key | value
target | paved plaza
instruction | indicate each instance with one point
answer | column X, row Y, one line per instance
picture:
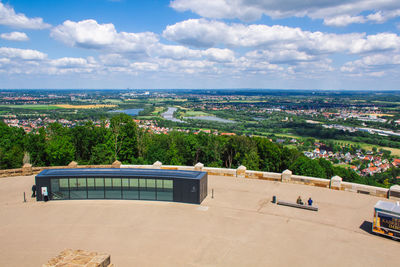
column 238, row 227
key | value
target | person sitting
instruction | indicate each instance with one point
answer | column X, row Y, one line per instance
column 310, row 201
column 299, row 201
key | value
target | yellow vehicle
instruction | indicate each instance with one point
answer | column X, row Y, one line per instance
column 387, row 219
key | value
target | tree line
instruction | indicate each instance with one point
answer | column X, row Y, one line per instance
column 124, row 141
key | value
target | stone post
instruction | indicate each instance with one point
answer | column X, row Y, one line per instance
column 336, row 182
column 241, row 172
column 286, row 176
column 27, row 169
column 116, row 164
column 73, row 164
column 394, row 191
column 157, row 165
column 199, row 166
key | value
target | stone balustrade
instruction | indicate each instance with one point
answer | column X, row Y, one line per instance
column 335, row 183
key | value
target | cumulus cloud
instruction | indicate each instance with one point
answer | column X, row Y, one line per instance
column 25, row 54
column 206, row 33
column 91, row 35
column 372, row 65
column 15, row 36
column 335, row 13
column 8, row 17
column 344, row 20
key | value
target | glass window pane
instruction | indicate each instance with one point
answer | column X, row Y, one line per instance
column 113, row 188
column 125, row 182
column 148, row 193
column 99, row 182
column 134, row 183
column 78, row 188
column 107, row 182
column 90, row 183
column 73, row 183
column 56, row 192
column 165, row 195
column 116, row 182
column 168, row 184
column 151, row 184
column 82, row 183
column 64, row 184
column 142, row 184
column 98, row 191
column 131, row 192
column 159, row 184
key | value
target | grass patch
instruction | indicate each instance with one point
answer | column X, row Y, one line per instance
column 85, row 106
column 395, row 151
column 192, row 113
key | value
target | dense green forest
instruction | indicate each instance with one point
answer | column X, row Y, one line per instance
column 123, row 140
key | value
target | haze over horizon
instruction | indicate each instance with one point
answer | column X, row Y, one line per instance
column 172, row 44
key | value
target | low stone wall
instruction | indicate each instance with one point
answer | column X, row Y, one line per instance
column 335, row 183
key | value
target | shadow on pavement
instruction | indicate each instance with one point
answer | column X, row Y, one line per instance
column 366, row 226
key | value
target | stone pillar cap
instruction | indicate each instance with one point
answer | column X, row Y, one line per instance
column 395, row 187
column 287, row 171
column 336, row 178
column 116, row 162
column 157, row 163
column 73, row 164
column 27, row 165
column 199, row 164
column 241, row 167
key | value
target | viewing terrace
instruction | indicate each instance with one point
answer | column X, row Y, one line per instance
column 237, row 225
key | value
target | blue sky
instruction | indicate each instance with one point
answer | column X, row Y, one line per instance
column 282, row 44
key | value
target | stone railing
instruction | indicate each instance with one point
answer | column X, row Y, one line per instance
column 335, row 183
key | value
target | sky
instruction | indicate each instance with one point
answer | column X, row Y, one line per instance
column 151, row 44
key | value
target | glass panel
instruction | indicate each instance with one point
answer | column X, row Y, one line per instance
column 142, row 184
column 108, row 183
column 56, row 193
column 151, row 184
column 90, row 183
column 98, row 190
column 99, row 182
column 149, row 193
column 116, row 182
column 134, row 183
column 77, row 188
column 64, row 187
column 164, row 193
column 167, row 196
column 159, row 184
column 82, row 183
column 125, row 182
column 113, row 192
column 168, row 184
column 132, row 191
column 73, row 183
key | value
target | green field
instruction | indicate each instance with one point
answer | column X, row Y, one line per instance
column 32, row 107
column 395, row 151
column 192, row 113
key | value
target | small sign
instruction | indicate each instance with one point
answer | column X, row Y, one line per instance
column 44, row 191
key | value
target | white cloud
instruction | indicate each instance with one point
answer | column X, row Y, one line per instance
column 89, row 34
column 219, row 55
column 24, row 54
column 8, row 17
column 335, row 13
column 280, row 56
column 343, row 20
column 15, row 36
column 205, row 33
column 373, row 65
